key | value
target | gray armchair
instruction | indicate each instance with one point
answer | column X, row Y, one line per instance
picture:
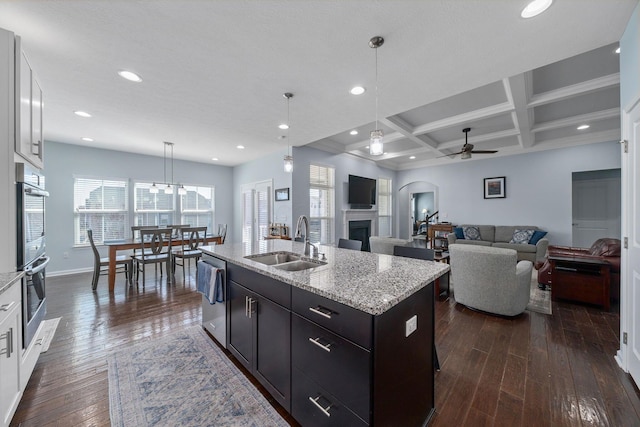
column 490, row 279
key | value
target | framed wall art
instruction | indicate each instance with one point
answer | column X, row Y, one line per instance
column 282, row 194
column 495, row 188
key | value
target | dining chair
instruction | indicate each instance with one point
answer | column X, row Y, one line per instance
column 159, row 242
column 222, row 232
column 427, row 255
column 191, row 238
column 135, row 234
column 124, row 264
column 175, row 229
column 356, row 245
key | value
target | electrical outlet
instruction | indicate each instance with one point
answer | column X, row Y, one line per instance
column 65, row 255
column 411, row 325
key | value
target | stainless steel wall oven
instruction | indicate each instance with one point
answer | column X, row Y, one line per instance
column 32, row 258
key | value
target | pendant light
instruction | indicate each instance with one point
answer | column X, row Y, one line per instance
column 288, row 159
column 376, row 147
column 169, row 185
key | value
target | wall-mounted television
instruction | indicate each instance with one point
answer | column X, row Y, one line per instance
column 362, row 191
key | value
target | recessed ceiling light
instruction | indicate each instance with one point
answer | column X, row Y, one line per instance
column 412, row 157
column 367, row 147
column 583, row 127
column 87, row 139
column 357, row 90
column 240, row 147
column 82, row 113
column 353, row 132
column 283, row 126
column 617, row 50
column 215, row 159
column 535, row 8
column 130, row 75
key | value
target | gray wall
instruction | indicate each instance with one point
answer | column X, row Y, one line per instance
column 269, row 167
column 64, row 161
column 344, row 165
column 538, row 188
column 630, row 60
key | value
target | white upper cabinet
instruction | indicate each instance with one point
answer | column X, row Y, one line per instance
column 29, row 140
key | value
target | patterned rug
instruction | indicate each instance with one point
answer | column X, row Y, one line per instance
column 183, row 379
column 539, row 300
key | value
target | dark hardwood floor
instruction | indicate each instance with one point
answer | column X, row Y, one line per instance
column 534, row 370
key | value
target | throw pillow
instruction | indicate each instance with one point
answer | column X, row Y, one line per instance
column 521, row 237
column 471, row 233
column 458, row 232
column 537, row 235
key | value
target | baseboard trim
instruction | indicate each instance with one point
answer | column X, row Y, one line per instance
column 68, row 272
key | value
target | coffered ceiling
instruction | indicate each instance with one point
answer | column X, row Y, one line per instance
column 214, row 73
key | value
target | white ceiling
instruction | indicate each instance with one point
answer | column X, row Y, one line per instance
column 214, row 73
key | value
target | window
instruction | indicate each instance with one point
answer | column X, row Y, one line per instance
column 152, row 209
column 197, row 207
column 102, row 206
column 321, row 204
column 385, row 203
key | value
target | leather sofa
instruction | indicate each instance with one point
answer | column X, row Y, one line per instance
column 498, row 236
column 605, row 249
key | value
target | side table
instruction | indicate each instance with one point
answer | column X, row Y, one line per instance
column 444, row 279
column 581, row 279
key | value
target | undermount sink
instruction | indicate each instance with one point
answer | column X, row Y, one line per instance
column 299, row 265
column 274, row 258
column 288, row 261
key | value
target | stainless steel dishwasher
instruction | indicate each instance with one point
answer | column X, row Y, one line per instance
column 214, row 316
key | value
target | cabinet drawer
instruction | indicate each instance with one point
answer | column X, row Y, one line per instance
column 276, row 291
column 10, row 299
column 309, row 413
column 345, row 321
column 339, row 366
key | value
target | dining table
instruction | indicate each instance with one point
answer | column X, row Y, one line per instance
column 131, row 243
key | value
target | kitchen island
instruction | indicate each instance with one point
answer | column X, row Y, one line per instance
column 349, row 342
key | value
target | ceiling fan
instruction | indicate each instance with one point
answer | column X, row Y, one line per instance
column 467, row 149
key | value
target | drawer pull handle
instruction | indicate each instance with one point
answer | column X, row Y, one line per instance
column 7, row 307
column 324, row 410
column 319, row 311
column 316, row 341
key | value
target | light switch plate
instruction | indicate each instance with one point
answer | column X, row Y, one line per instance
column 411, row 325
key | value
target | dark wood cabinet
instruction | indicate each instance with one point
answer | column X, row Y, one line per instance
column 581, row 279
column 353, row 368
column 259, row 332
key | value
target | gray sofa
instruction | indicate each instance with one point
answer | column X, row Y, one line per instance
column 498, row 236
column 489, row 279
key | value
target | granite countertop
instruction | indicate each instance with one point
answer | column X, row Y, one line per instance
column 8, row 279
column 372, row 283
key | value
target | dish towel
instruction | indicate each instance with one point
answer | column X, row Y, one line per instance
column 210, row 282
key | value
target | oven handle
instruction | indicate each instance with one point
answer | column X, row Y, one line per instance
column 36, row 192
column 31, row 271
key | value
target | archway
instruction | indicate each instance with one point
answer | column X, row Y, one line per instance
column 410, row 209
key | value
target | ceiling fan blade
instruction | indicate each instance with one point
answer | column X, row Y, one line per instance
column 484, row 151
column 451, row 156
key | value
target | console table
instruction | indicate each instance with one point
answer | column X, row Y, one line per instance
column 580, row 279
column 437, row 235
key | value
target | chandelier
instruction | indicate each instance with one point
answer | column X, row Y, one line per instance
column 168, row 185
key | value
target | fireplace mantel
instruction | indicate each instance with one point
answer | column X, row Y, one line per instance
column 359, row 215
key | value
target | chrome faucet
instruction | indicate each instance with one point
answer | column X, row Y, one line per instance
column 303, row 220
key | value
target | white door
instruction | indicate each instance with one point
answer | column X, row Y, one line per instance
column 630, row 314
column 596, row 206
column 256, row 210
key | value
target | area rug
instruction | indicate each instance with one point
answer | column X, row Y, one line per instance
column 183, row 379
column 539, row 300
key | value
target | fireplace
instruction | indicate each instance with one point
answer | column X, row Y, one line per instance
column 360, row 230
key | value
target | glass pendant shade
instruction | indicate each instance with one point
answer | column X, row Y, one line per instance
column 288, row 164
column 375, row 145
column 168, row 189
column 181, row 190
column 153, row 189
